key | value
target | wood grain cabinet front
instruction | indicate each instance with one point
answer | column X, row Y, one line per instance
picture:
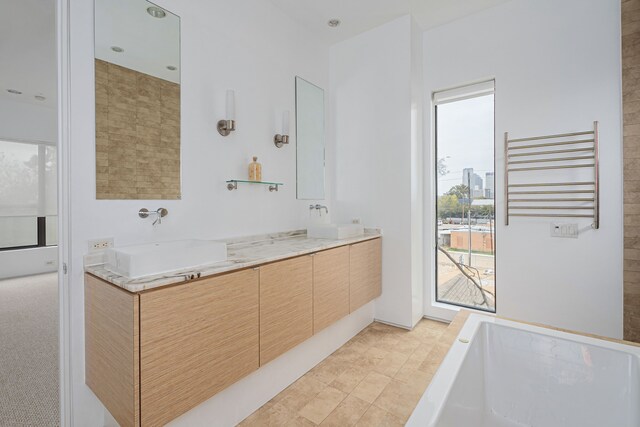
column 195, row 340
column 330, row 287
column 286, row 306
column 152, row 356
column 111, row 348
column 365, row 275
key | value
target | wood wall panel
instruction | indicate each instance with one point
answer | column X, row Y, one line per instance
column 286, row 306
column 137, row 135
column 330, row 287
column 196, row 339
column 365, row 283
column 631, row 112
column 111, row 348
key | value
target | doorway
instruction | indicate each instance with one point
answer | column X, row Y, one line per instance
column 29, row 190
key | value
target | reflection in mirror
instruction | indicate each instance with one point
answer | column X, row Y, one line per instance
column 309, row 140
column 137, row 70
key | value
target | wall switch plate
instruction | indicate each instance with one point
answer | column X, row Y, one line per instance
column 564, row 230
column 100, row 244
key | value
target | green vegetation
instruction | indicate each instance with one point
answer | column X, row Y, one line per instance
column 450, row 205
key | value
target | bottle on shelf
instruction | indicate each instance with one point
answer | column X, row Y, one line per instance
column 255, row 170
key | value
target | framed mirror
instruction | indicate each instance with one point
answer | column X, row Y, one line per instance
column 137, row 75
column 310, row 156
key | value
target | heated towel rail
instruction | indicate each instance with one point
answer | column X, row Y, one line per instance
column 533, row 167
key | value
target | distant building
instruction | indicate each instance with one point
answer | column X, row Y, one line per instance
column 474, row 181
column 489, row 180
column 481, row 240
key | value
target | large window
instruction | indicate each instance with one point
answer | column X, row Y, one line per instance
column 465, row 198
column 28, row 195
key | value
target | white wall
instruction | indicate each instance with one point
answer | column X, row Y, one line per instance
column 417, row 176
column 557, row 69
column 375, row 118
column 247, row 45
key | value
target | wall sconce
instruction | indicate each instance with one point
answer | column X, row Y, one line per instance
column 225, row 127
column 280, row 140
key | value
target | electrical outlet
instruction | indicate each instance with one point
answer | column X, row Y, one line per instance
column 355, row 221
column 100, row 244
column 564, row 230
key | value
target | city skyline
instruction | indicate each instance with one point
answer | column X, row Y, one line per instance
column 465, row 140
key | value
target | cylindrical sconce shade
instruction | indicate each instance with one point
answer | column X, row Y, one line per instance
column 231, row 105
column 285, row 123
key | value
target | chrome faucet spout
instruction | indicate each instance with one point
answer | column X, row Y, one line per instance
column 159, row 213
column 319, row 207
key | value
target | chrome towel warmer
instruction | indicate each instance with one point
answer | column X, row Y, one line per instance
column 539, row 197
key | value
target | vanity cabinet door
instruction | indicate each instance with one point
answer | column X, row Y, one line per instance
column 286, row 306
column 195, row 340
column 365, row 273
column 330, row 287
column 111, row 348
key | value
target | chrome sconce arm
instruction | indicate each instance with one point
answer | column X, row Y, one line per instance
column 225, row 127
column 280, row 139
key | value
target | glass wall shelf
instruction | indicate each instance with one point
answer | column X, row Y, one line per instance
column 232, row 184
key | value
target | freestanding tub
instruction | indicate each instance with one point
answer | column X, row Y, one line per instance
column 500, row 373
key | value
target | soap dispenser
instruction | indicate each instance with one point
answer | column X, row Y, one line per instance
column 255, row 170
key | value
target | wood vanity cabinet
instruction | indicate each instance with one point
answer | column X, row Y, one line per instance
column 153, row 355
column 195, row 340
column 286, row 306
column 330, row 287
column 365, row 275
column 111, row 348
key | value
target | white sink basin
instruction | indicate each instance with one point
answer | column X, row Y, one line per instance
column 335, row 231
column 157, row 258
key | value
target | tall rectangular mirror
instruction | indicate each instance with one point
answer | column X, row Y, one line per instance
column 309, row 140
column 137, row 73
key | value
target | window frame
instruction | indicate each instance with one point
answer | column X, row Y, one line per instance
column 460, row 93
column 41, row 221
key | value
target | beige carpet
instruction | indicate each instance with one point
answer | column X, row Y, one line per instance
column 29, row 351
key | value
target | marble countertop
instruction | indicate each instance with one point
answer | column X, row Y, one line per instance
column 241, row 253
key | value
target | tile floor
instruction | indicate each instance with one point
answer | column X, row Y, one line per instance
column 375, row 379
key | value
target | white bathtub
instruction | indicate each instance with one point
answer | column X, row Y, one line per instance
column 512, row 374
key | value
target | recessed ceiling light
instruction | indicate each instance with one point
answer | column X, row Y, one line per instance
column 333, row 23
column 171, row 68
column 40, row 97
column 117, row 49
column 156, row 12
column 14, row 91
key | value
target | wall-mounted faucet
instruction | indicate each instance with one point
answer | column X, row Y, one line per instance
column 159, row 213
column 319, row 208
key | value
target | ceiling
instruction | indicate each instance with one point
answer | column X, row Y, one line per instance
column 28, row 50
column 357, row 16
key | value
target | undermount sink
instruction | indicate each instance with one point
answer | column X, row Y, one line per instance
column 335, row 231
column 156, row 258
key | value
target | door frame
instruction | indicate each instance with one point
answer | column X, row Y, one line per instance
column 64, row 211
